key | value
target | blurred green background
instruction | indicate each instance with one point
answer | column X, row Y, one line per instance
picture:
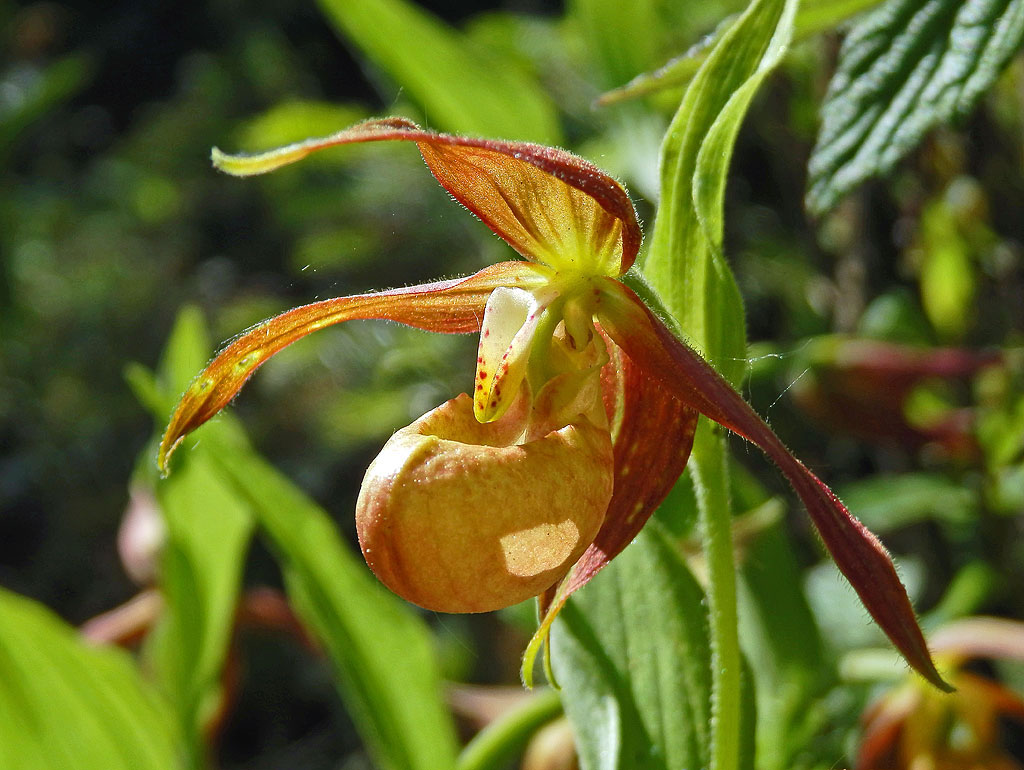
column 111, row 219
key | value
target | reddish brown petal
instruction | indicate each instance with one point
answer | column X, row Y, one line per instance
column 857, row 552
column 645, row 469
column 550, row 205
column 450, row 307
column 653, row 435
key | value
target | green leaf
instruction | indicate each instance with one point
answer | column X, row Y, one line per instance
column 947, row 271
column 65, row 703
column 811, row 18
column 620, row 39
column 382, row 653
column 630, row 652
column 208, row 531
column 823, row 15
column 294, row 121
column 685, row 262
column 674, row 73
column 686, row 265
column 905, row 68
column 460, row 87
column 186, row 353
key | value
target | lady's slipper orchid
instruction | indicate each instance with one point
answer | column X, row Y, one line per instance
column 583, row 408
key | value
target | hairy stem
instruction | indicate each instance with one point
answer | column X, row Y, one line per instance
column 711, row 478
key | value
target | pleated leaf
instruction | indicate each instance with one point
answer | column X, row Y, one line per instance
column 630, row 652
column 904, row 69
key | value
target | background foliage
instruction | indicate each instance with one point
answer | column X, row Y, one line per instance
column 111, row 221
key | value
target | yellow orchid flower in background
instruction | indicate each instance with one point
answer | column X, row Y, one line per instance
column 584, row 403
column 911, row 727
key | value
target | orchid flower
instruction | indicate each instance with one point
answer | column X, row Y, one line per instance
column 582, row 412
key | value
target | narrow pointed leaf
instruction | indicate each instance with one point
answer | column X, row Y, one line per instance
column 447, row 306
column 66, row 703
column 904, row 69
column 685, row 260
column 549, row 205
column 461, row 86
column 857, row 552
column 201, row 564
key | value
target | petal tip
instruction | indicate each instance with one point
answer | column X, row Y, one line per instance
column 932, row 676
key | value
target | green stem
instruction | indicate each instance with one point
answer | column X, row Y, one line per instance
column 500, row 740
column 712, row 481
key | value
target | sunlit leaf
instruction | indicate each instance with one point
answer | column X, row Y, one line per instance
column 65, row 703
column 381, row 652
column 292, row 121
column 208, row 528
column 905, row 68
column 685, row 261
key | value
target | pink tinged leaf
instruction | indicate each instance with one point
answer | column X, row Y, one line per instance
column 640, row 407
column 450, row 307
column 549, row 205
column 857, row 552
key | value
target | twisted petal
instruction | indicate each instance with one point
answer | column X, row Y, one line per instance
column 452, row 307
column 549, row 205
column 857, row 552
column 645, row 471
